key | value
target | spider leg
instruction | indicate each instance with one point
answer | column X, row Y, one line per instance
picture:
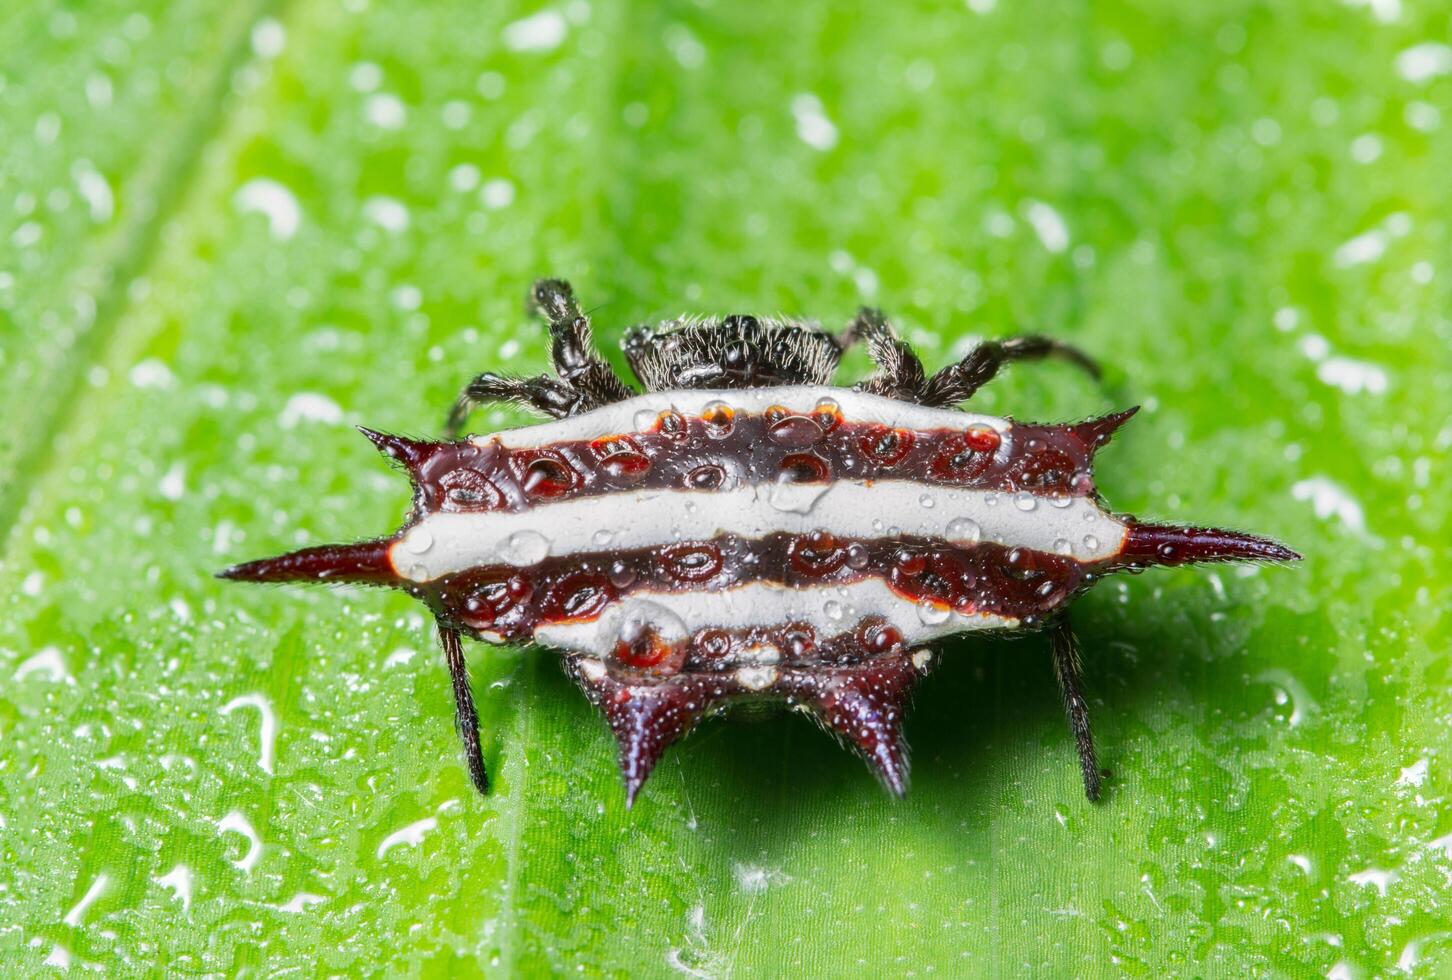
column 637, row 344
column 899, row 373
column 1068, row 670
column 958, row 382
column 849, row 337
column 572, row 349
column 541, row 393
column 465, row 717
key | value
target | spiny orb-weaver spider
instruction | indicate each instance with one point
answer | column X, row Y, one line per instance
column 744, row 530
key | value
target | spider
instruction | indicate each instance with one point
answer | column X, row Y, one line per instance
column 743, row 530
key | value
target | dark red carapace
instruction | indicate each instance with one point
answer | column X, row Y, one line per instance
column 745, row 531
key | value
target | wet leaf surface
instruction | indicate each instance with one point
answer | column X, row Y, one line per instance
column 228, row 232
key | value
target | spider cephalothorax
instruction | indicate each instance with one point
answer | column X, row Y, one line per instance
column 743, row 531
column 732, row 352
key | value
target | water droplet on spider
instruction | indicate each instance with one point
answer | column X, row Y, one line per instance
column 548, row 477
column 644, row 614
column 1047, row 589
column 1091, row 543
column 646, row 632
column 706, row 477
column 1063, row 546
column 1025, row 501
column 927, row 501
column 626, row 465
column 794, row 431
column 603, row 537
column 795, row 498
column 719, row 417
column 931, row 613
column 645, row 419
column 990, row 499
column 524, row 548
column 827, row 414
column 632, row 626
column 622, row 574
column 834, row 610
column 857, row 556
column 964, row 529
column 1061, row 500
column 419, row 540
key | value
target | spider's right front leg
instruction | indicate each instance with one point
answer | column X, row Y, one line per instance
column 957, row 382
column 1069, row 671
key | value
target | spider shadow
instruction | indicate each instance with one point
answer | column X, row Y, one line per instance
column 773, row 778
column 763, row 778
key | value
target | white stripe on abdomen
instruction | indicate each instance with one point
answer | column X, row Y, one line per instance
column 443, row 543
column 638, row 414
column 828, row 609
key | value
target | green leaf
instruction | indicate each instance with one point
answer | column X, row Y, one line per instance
column 228, row 231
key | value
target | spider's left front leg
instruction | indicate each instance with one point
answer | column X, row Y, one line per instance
column 958, row 382
column 572, row 349
column 542, row 393
column 1068, row 669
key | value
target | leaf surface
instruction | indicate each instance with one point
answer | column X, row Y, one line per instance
column 314, row 215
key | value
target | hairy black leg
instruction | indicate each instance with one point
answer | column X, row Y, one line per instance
column 899, row 373
column 572, row 349
column 1067, row 668
column 637, row 344
column 958, row 382
column 465, row 718
column 543, row 394
column 849, row 337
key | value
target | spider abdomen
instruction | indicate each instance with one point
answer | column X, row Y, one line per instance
column 818, row 520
